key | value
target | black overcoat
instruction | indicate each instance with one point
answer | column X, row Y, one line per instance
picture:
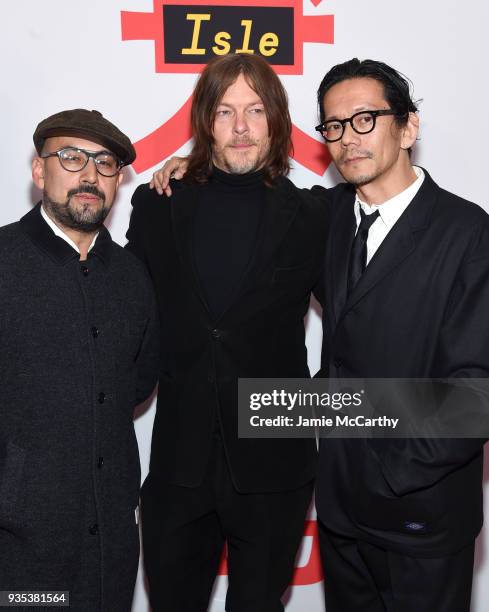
column 420, row 310
column 260, row 335
column 78, row 351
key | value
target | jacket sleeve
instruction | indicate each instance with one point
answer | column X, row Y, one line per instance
column 463, row 352
column 148, row 358
column 137, row 222
column 324, row 196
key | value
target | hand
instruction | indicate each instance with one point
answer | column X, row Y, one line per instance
column 175, row 167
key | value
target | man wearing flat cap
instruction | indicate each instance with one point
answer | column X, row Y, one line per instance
column 78, row 352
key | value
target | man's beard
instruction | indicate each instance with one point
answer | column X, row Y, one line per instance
column 82, row 217
column 240, row 164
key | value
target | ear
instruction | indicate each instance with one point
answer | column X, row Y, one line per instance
column 120, row 178
column 38, row 172
column 410, row 131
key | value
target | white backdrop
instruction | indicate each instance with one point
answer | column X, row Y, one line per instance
column 58, row 55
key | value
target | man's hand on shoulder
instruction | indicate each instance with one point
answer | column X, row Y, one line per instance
column 175, row 168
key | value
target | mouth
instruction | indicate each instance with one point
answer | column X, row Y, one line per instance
column 240, row 146
column 355, row 159
column 87, row 196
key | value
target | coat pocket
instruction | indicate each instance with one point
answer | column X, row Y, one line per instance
column 12, row 459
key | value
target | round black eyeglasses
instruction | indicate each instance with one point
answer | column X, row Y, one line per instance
column 362, row 122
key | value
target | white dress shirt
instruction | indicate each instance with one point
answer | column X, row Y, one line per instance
column 389, row 213
column 59, row 232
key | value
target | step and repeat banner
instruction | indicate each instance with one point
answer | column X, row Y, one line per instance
column 137, row 62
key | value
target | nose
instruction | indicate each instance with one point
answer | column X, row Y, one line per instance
column 349, row 136
column 89, row 173
column 240, row 123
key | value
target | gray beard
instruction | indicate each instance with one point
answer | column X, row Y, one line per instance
column 243, row 168
column 84, row 219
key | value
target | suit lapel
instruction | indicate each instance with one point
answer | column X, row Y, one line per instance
column 399, row 243
column 281, row 205
column 183, row 208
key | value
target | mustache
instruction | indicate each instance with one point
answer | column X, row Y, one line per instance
column 242, row 141
column 356, row 153
column 90, row 189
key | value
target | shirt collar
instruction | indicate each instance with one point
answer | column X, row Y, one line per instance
column 392, row 209
column 41, row 234
column 59, row 232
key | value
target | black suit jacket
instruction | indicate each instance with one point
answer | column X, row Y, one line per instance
column 260, row 334
column 421, row 310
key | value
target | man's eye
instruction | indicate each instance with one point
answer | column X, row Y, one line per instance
column 223, row 113
column 364, row 119
column 333, row 127
column 72, row 157
column 256, row 110
column 105, row 161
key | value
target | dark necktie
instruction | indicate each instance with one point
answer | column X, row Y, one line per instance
column 358, row 253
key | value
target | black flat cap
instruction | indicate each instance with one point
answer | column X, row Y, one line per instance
column 86, row 124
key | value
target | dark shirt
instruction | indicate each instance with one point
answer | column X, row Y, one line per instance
column 225, row 230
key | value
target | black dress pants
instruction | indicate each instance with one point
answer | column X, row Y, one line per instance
column 361, row 576
column 184, row 530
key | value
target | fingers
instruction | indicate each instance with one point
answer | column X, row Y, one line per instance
column 158, row 181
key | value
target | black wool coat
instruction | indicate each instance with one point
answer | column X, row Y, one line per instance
column 420, row 310
column 259, row 335
column 78, row 351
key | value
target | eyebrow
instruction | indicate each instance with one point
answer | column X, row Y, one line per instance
column 255, row 103
column 359, row 109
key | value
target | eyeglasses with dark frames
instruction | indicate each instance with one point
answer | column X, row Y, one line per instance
column 73, row 159
column 362, row 122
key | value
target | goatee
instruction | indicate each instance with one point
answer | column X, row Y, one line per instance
column 82, row 217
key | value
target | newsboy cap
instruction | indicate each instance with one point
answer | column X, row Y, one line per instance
column 87, row 124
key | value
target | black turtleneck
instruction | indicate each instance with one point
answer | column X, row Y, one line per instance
column 225, row 230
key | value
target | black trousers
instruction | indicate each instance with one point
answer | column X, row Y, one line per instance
column 363, row 577
column 184, row 530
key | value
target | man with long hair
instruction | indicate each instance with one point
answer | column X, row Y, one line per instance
column 234, row 254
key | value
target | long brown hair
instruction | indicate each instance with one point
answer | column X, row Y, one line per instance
column 217, row 76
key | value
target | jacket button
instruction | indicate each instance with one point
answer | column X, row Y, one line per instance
column 216, row 333
column 84, row 270
column 101, row 397
column 93, row 529
column 211, row 379
column 100, row 462
column 95, row 332
column 338, row 363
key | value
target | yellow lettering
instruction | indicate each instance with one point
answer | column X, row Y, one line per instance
column 268, row 44
column 197, row 19
column 222, row 47
column 247, row 24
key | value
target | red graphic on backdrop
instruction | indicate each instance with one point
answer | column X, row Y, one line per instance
column 175, row 132
column 311, row 573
